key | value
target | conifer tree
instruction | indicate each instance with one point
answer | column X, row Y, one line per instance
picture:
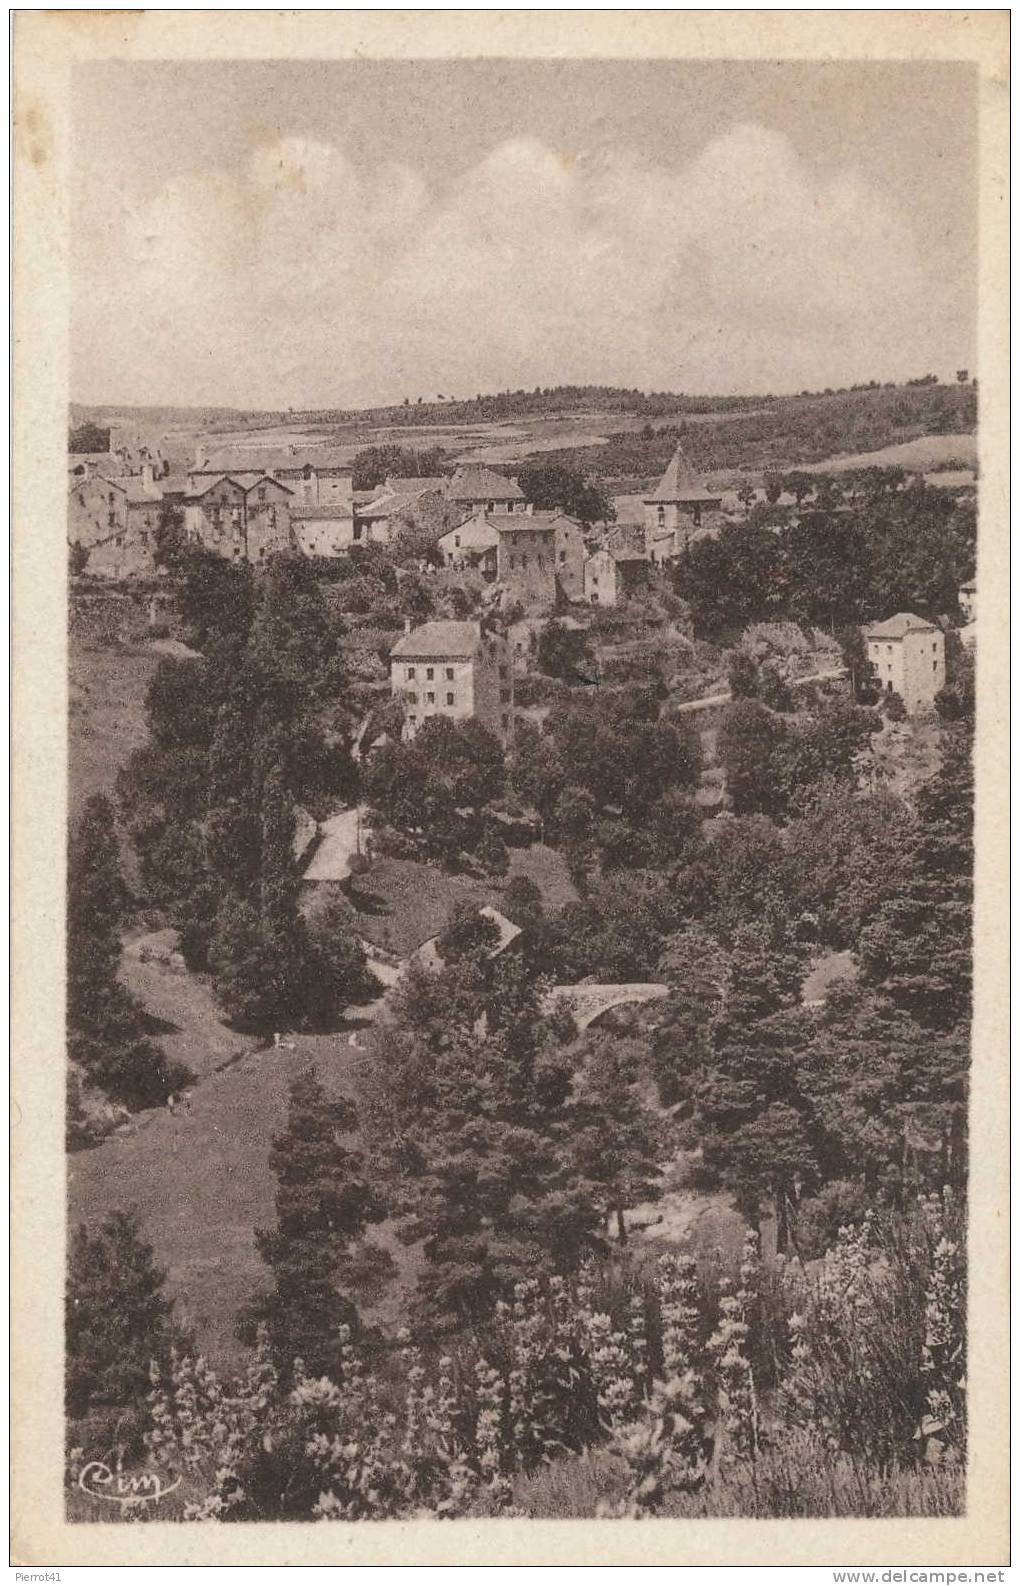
column 106, row 1032
column 117, row 1320
column 324, row 1203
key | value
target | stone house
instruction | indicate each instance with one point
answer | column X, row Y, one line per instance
column 676, row 507
column 570, row 554
column 460, row 670
column 473, row 543
column 214, row 517
column 612, row 575
column 908, row 655
column 97, row 510
column 323, row 531
column 316, row 476
column 526, row 559
column 476, row 489
column 381, row 519
column 267, row 527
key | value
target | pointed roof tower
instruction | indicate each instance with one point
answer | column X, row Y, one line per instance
column 680, row 483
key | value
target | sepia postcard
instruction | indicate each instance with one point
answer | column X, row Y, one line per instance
column 510, row 714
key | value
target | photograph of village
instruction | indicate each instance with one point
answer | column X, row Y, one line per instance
column 522, row 547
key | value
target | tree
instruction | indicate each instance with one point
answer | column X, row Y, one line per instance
column 106, row 1028
column 323, row 1206
column 373, row 464
column 88, row 437
column 917, row 948
column 773, row 485
column 564, row 652
column 468, row 933
column 169, row 537
column 556, row 487
column 117, row 1319
column 742, row 675
column 616, row 1137
column 750, row 739
column 861, row 672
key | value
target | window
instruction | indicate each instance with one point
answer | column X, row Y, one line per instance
column 889, row 649
column 934, row 666
column 410, row 674
column 262, row 495
column 661, row 515
column 430, row 697
column 449, row 674
column 504, row 696
column 413, row 698
column 145, row 541
column 934, row 648
column 456, row 539
column 563, row 556
column 492, row 506
column 119, row 541
column 430, row 672
column 412, row 720
column 449, row 699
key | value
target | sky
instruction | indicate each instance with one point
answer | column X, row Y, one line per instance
column 343, row 233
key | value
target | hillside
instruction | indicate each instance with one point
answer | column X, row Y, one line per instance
column 788, row 433
column 622, row 437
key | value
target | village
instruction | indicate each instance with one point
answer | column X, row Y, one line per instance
column 523, row 652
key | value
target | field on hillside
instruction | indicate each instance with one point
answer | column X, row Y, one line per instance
column 624, row 438
column 110, row 662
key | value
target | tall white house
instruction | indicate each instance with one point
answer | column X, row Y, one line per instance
column 460, row 670
column 908, row 655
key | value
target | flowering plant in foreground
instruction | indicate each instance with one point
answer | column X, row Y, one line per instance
column 874, row 1365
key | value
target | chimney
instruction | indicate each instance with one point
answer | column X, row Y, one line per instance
column 90, row 468
column 201, row 456
column 407, row 625
column 148, row 476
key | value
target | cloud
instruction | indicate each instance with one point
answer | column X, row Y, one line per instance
column 302, row 279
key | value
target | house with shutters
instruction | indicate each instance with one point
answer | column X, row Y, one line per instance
column 526, row 559
column 908, row 658
column 676, row 507
column 458, row 670
column 239, row 521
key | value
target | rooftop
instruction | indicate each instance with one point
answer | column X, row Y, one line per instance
column 895, row 627
column 680, row 482
column 476, row 534
column 439, row 639
column 275, row 459
column 473, row 483
column 529, row 522
column 407, row 485
column 337, row 511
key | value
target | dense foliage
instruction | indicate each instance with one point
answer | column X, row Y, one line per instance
column 107, row 1031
